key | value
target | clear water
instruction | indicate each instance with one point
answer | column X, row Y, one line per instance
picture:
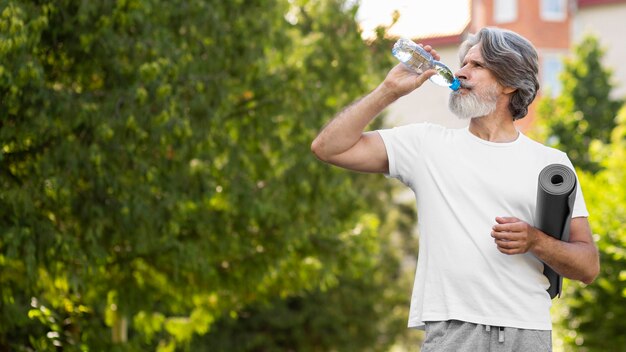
column 403, row 56
column 439, row 80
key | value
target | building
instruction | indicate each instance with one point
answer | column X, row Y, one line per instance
column 553, row 26
column 605, row 19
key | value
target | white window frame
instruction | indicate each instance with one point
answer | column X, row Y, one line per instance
column 505, row 11
column 548, row 14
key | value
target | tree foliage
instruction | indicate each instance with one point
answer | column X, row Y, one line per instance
column 360, row 314
column 584, row 112
column 584, row 121
column 594, row 314
column 156, row 177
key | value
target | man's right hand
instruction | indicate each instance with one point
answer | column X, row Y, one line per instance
column 402, row 80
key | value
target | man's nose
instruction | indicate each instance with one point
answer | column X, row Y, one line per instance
column 461, row 73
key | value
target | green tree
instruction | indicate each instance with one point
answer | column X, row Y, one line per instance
column 584, row 112
column 593, row 316
column 155, row 168
column 359, row 314
column 586, row 122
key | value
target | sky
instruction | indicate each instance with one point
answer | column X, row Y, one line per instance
column 418, row 18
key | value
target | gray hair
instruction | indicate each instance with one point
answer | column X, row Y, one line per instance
column 514, row 62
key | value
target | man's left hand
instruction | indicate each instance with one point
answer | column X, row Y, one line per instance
column 514, row 236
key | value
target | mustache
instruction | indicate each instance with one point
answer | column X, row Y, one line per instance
column 462, row 85
column 466, row 85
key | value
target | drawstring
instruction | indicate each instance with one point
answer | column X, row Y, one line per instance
column 500, row 332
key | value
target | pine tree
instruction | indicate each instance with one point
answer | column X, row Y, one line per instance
column 584, row 112
column 593, row 315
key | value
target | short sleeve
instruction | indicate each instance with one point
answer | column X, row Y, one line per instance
column 403, row 145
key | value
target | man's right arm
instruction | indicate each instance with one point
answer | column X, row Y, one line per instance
column 343, row 141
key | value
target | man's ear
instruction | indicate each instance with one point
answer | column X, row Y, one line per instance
column 508, row 90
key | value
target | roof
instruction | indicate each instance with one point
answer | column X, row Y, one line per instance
column 587, row 3
column 439, row 40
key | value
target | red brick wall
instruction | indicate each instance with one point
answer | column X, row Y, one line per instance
column 543, row 34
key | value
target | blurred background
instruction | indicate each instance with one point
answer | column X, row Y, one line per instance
column 157, row 191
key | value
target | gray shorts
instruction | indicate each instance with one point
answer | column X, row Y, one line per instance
column 459, row 336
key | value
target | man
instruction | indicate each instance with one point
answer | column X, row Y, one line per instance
column 479, row 284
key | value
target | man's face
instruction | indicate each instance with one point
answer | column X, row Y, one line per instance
column 479, row 90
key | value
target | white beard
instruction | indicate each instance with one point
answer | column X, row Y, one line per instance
column 474, row 104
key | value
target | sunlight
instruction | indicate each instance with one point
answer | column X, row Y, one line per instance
column 418, row 18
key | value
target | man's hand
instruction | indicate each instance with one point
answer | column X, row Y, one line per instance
column 514, row 236
column 576, row 259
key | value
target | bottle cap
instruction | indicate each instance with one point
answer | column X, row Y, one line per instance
column 456, row 84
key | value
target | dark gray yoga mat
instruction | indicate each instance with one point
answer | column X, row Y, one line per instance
column 556, row 194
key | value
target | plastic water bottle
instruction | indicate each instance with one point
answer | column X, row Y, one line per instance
column 420, row 60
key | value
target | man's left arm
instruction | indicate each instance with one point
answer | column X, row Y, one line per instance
column 577, row 259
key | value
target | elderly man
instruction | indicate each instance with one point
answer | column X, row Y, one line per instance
column 479, row 284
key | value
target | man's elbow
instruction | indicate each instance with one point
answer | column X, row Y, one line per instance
column 588, row 280
column 317, row 148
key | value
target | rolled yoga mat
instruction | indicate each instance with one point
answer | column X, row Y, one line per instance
column 556, row 194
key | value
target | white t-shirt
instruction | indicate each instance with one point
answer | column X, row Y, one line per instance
column 461, row 183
